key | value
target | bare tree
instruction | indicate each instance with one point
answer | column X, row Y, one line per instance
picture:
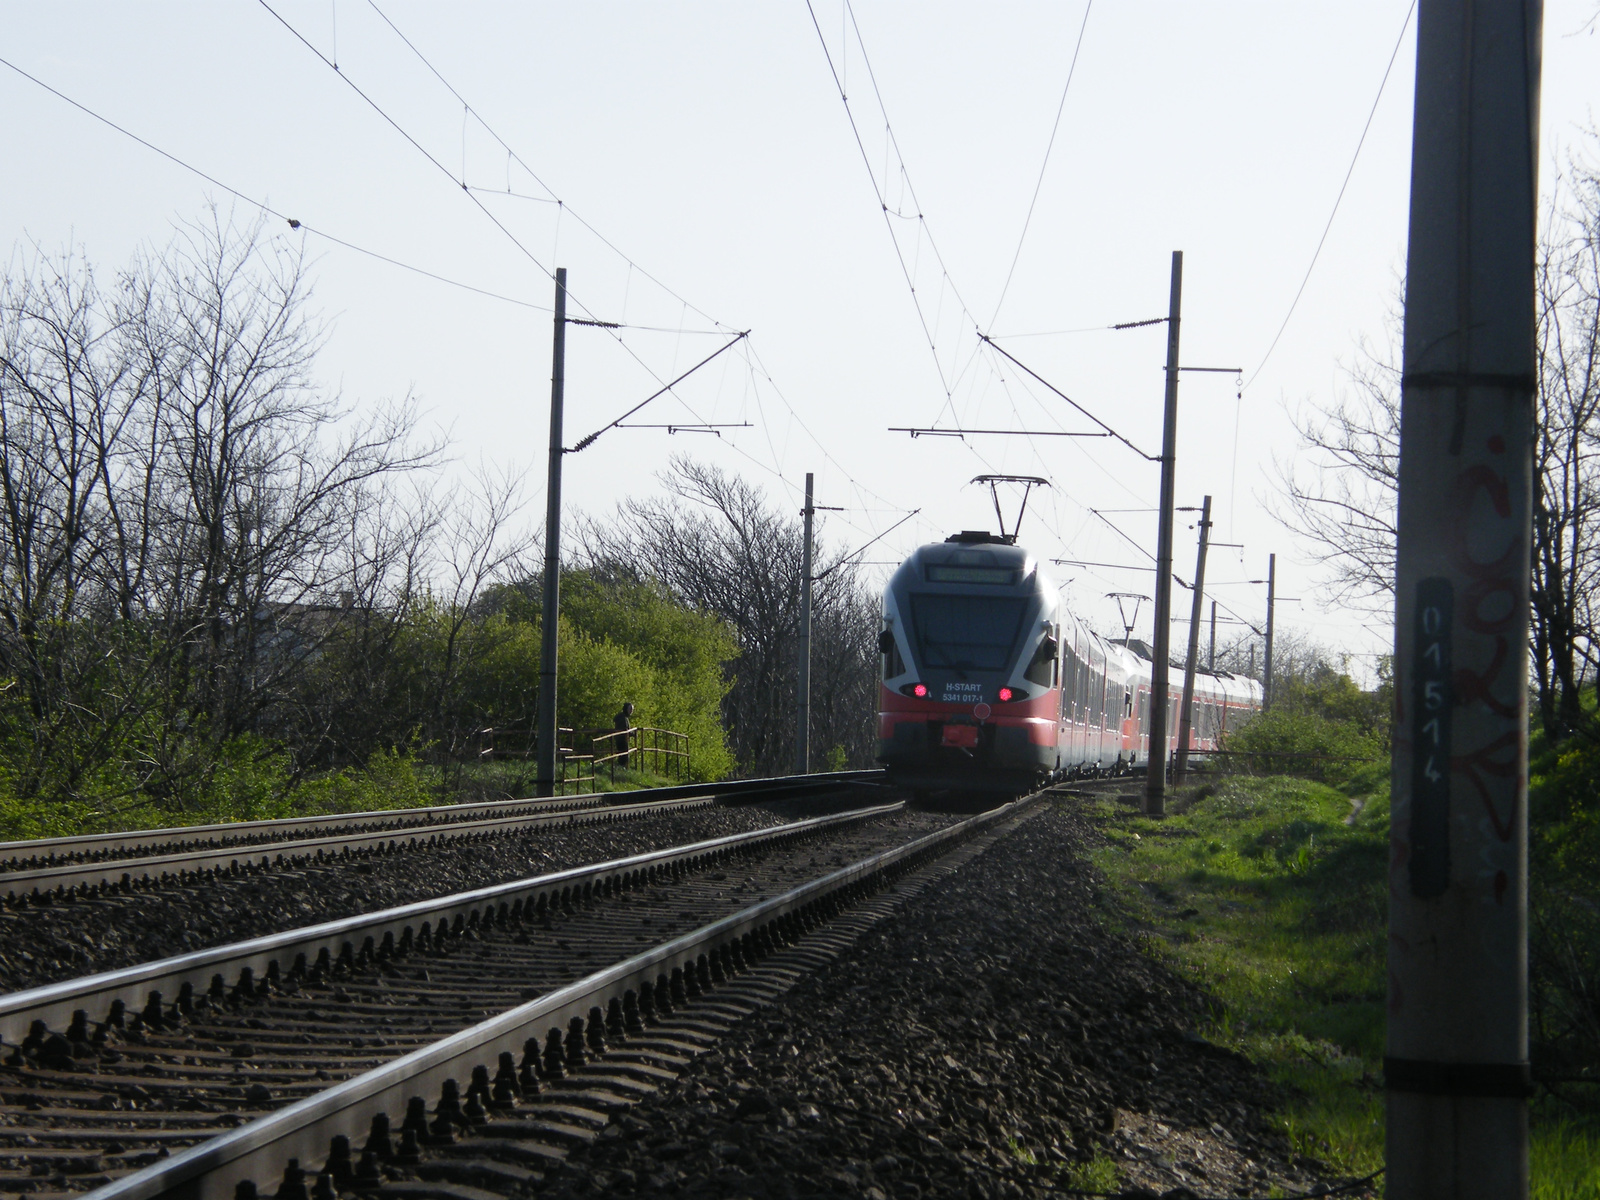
column 66, row 395
column 1341, row 496
column 1566, row 566
column 716, row 545
column 176, row 501
column 481, row 543
column 258, row 468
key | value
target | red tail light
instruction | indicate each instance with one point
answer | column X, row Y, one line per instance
column 1006, row 693
column 920, row 691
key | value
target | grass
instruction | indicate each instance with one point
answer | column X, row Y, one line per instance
column 1565, row 1160
column 1269, row 893
column 1099, row 1174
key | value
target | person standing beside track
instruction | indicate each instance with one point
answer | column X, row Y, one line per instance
column 623, row 723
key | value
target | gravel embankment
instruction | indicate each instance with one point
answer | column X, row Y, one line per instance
column 44, row 943
column 975, row 1044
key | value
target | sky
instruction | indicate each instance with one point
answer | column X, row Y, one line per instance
column 694, row 168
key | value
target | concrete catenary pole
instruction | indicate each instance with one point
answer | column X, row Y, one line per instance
column 1211, row 655
column 547, row 734
column 1272, row 601
column 803, row 737
column 1186, row 709
column 1456, row 1067
column 1155, row 780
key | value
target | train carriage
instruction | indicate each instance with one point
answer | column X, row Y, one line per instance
column 989, row 684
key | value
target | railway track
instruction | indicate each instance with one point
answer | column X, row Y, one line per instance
column 336, row 1021
column 59, row 868
column 189, row 866
column 97, row 847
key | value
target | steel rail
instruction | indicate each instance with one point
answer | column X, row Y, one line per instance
column 255, row 1154
column 127, row 872
column 292, row 952
column 238, row 833
column 234, row 833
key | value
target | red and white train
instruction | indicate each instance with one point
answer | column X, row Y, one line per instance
column 989, row 684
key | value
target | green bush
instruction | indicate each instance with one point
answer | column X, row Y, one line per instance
column 594, row 678
column 389, row 779
column 249, row 779
column 682, row 653
column 1564, row 906
column 1338, row 752
column 394, row 715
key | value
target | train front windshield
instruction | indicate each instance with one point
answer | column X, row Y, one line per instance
column 966, row 633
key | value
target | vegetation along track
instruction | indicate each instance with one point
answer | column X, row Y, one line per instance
column 364, row 1001
column 58, row 868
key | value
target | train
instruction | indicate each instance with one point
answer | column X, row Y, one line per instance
column 991, row 685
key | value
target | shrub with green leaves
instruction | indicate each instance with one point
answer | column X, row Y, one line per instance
column 1564, row 908
column 1285, row 740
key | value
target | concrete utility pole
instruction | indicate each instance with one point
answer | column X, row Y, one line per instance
column 1211, row 656
column 546, row 736
column 1186, row 711
column 1155, row 776
column 1266, row 668
column 1457, row 1061
column 803, row 739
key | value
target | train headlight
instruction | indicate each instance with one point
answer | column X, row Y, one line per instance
column 1006, row 693
column 920, row 691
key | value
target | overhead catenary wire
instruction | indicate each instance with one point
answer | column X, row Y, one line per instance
column 932, row 337
column 461, row 184
column 306, row 227
column 877, row 189
column 950, row 380
column 633, row 266
column 261, row 205
column 1072, row 69
column 1141, row 549
column 1360, row 142
column 416, row 145
column 309, row 229
column 532, row 174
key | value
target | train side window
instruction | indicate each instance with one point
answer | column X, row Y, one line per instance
column 1042, row 668
column 893, row 664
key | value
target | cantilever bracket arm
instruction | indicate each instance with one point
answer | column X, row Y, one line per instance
column 1109, row 431
column 585, row 443
column 863, row 549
